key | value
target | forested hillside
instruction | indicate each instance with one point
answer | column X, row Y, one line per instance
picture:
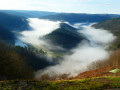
column 13, row 22
column 6, row 35
column 9, row 24
column 66, row 36
column 21, row 62
column 112, row 25
column 13, row 65
column 36, row 59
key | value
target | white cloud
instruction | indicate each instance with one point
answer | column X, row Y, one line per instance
column 81, row 6
column 84, row 54
column 40, row 27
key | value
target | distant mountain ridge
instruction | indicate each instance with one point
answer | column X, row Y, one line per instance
column 28, row 13
column 70, row 17
column 80, row 18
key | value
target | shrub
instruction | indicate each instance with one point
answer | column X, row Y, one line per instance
column 12, row 65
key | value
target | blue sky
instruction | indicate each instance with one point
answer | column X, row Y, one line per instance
column 77, row 6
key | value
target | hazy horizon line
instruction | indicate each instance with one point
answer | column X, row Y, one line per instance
column 54, row 11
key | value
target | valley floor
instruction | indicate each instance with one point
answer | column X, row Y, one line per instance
column 100, row 83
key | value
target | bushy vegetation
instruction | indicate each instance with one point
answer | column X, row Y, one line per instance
column 21, row 62
column 36, row 59
column 12, row 65
column 113, row 60
column 83, row 84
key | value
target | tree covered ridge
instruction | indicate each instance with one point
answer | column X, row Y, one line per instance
column 13, row 22
column 6, row 35
column 21, row 62
column 66, row 36
column 12, row 65
column 112, row 25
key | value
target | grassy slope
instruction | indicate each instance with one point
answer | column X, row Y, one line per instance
column 80, row 84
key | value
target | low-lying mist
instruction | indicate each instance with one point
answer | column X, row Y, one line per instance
column 86, row 52
column 40, row 28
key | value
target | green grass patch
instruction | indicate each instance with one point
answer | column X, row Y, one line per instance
column 80, row 84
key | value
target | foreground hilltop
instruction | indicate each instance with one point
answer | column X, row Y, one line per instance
column 83, row 84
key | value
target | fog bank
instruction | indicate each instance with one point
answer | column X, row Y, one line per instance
column 85, row 53
column 40, row 28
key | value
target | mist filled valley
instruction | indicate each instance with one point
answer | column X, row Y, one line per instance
column 75, row 59
column 38, row 45
column 62, row 47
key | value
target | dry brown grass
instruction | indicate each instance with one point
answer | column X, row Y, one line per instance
column 113, row 60
column 99, row 68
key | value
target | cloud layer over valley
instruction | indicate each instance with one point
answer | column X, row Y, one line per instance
column 40, row 28
column 86, row 52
